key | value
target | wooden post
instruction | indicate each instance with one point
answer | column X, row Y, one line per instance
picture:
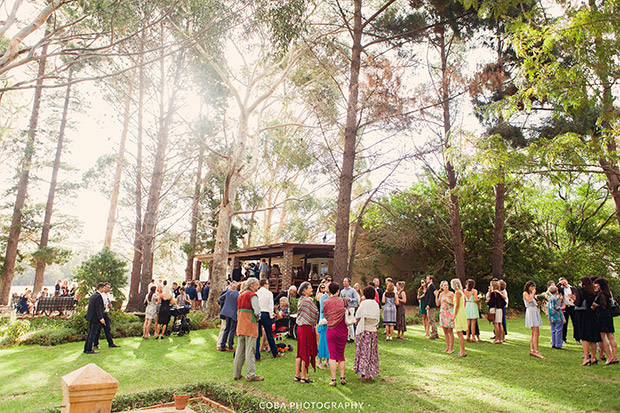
column 88, row 389
column 287, row 269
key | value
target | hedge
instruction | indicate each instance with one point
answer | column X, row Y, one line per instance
column 237, row 399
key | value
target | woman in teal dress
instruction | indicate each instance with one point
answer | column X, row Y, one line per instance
column 321, row 328
column 422, row 311
column 471, row 310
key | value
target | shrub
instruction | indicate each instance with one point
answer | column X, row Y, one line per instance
column 293, row 304
column 78, row 322
column 40, row 337
column 614, row 287
column 196, row 320
column 11, row 330
column 412, row 319
column 237, row 399
column 102, row 267
column 127, row 328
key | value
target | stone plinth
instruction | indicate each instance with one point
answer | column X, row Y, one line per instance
column 88, row 390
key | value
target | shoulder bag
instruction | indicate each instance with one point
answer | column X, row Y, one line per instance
column 615, row 308
column 349, row 319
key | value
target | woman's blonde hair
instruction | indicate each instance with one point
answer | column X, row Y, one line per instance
column 167, row 295
column 400, row 284
column 456, row 285
column 284, row 302
column 390, row 288
column 441, row 284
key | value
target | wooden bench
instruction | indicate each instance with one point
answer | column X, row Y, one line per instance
column 47, row 305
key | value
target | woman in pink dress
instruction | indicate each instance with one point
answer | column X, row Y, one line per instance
column 334, row 309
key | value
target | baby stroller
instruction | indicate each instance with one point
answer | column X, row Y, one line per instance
column 180, row 325
column 281, row 328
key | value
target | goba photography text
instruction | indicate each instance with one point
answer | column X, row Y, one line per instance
column 312, row 405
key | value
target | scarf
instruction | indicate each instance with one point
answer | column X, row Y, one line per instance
column 368, row 315
column 334, row 308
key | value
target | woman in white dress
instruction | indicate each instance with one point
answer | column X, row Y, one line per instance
column 150, row 312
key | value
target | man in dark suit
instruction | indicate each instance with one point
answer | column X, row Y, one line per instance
column 107, row 327
column 94, row 315
column 431, row 307
column 290, row 293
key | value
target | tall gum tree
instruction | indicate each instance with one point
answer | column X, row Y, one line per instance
column 567, row 73
column 8, row 267
column 258, row 74
column 444, row 24
column 49, row 206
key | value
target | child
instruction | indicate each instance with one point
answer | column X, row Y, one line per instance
column 556, row 317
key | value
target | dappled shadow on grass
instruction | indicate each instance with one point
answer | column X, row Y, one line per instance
column 505, row 377
column 414, row 374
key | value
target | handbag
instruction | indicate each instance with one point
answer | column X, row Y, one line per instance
column 349, row 319
column 615, row 309
column 491, row 315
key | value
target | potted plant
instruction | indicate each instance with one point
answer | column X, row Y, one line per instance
column 180, row 401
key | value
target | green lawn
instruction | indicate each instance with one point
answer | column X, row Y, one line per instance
column 414, row 376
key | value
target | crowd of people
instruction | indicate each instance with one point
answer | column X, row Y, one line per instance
column 161, row 298
column 26, row 302
column 589, row 306
column 326, row 322
column 337, row 315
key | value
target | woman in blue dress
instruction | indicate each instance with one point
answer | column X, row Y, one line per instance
column 321, row 329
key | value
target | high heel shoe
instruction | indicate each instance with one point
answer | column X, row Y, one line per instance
column 595, row 361
column 586, row 363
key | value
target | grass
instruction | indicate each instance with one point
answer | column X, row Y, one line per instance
column 414, row 374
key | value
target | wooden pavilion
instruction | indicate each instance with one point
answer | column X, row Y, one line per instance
column 297, row 262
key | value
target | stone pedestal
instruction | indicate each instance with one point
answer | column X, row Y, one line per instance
column 88, row 390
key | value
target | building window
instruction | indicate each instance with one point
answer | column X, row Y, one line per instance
column 324, row 269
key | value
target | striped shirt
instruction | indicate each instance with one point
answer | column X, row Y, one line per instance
column 307, row 313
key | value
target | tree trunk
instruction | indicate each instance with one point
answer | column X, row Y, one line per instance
column 8, row 268
column 120, row 160
column 341, row 248
column 49, row 207
column 133, row 303
column 455, row 215
column 227, row 208
column 220, row 257
column 151, row 214
column 189, row 269
column 497, row 256
column 609, row 166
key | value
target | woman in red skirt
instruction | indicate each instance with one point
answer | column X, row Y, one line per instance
column 334, row 309
column 307, row 317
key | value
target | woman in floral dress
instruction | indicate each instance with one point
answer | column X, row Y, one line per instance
column 446, row 315
column 366, row 346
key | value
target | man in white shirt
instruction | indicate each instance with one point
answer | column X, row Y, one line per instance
column 107, row 327
column 353, row 299
column 265, row 303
